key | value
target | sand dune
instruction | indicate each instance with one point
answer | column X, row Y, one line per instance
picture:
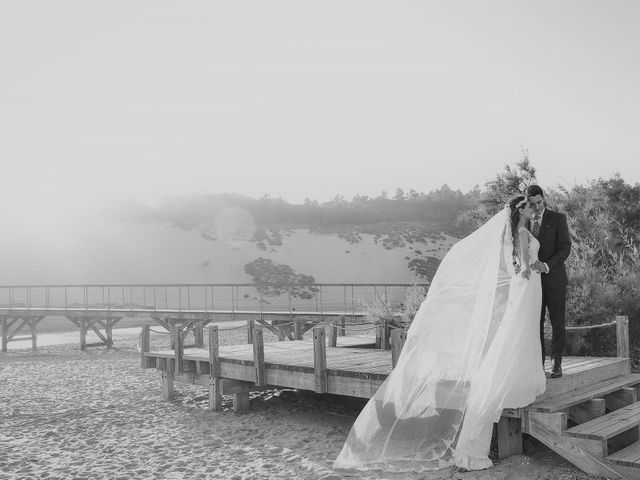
column 68, row 414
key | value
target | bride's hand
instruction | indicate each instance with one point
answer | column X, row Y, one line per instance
column 526, row 273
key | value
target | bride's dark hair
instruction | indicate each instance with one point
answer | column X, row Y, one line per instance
column 515, row 205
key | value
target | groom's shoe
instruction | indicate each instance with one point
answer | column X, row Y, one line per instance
column 557, row 371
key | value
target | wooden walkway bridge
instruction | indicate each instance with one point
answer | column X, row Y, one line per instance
column 99, row 308
column 590, row 416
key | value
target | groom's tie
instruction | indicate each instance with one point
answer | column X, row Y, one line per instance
column 535, row 229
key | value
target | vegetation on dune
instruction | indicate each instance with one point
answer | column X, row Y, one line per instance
column 277, row 279
column 273, row 216
column 604, row 265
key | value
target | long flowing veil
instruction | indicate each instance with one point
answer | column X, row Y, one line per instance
column 413, row 420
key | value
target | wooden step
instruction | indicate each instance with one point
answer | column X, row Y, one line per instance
column 628, row 457
column 608, row 426
column 568, row 399
column 581, row 371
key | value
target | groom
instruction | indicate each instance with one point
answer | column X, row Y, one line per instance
column 551, row 230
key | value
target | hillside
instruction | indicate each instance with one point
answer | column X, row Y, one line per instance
column 44, row 251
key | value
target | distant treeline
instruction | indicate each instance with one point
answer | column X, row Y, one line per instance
column 440, row 206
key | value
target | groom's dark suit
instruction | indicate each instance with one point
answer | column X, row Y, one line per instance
column 555, row 246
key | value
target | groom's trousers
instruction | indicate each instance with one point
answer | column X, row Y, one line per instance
column 554, row 300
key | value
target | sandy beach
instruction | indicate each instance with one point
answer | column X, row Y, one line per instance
column 68, row 414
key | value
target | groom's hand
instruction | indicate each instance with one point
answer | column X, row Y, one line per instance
column 538, row 266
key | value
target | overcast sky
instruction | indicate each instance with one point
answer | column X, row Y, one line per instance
column 107, row 100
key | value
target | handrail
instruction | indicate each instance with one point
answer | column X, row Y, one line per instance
column 125, row 285
column 204, row 297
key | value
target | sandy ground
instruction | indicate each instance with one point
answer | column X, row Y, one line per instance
column 67, row 414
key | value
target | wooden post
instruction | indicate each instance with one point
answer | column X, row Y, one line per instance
column 109, row 331
column 33, row 322
column 258, row 357
column 320, row 359
column 622, row 336
column 144, row 344
column 398, row 337
column 379, row 335
column 178, row 349
column 280, row 328
column 215, row 382
column 387, row 334
column 509, row 437
column 333, row 335
column 5, row 335
column 250, row 326
column 198, row 335
column 83, row 333
column 343, row 330
column 167, row 383
column 297, row 329
column 241, row 401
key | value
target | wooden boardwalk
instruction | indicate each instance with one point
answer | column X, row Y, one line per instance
column 590, row 416
column 98, row 308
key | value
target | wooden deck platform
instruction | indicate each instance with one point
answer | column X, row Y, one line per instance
column 590, row 416
column 353, row 370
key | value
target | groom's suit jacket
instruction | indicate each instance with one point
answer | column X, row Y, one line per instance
column 555, row 246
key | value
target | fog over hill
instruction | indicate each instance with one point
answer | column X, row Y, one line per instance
column 212, row 239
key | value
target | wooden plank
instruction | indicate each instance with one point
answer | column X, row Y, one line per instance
column 543, row 426
column 608, row 425
column 161, row 363
column 83, row 333
column 629, row 456
column 398, row 337
column 5, row 334
column 622, row 336
column 167, row 384
column 231, row 386
column 320, row 359
column 268, row 326
column 215, row 382
column 509, row 437
column 22, row 323
column 33, row 322
column 513, row 412
column 91, row 324
column 297, row 329
column 258, row 357
column 241, row 397
column 163, row 323
column 198, row 333
column 333, row 335
column 109, row 331
column 178, row 348
column 587, row 411
column 378, row 330
column 621, row 398
column 250, row 326
column 23, row 338
column 574, row 397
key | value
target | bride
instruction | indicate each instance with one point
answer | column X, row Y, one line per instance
column 472, row 349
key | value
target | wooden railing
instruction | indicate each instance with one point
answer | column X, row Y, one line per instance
column 150, row 298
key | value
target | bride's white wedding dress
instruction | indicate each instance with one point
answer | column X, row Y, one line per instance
column 511, row 373
column 472, row 349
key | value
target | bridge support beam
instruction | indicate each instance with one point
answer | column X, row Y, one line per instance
column 86, row 324
column 12, row 326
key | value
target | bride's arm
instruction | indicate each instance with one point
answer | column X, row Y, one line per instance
column 523, row 252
